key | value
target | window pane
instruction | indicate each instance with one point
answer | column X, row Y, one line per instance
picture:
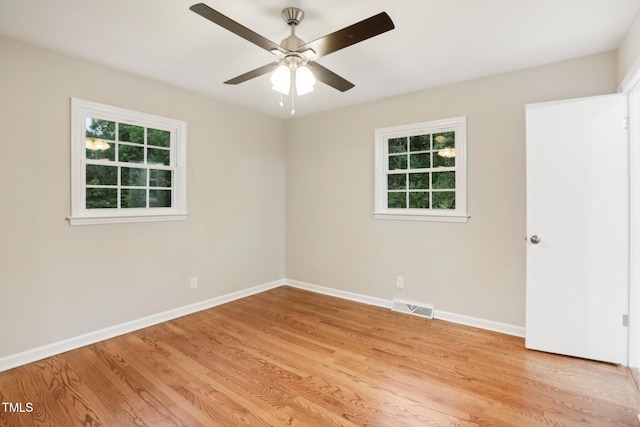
column 133, row 198
column 101, row 175
column 159, row 198
column 397, row 200
column 445, row 180
column 419, row 181
column 443, row 140
column 158, row 157
column 160, row 178
column 102, row 129
column 398, row 162
column 444, row 200
column 131, row 133
column 101, row 198
column 398, row 145
column 397, row 182
column 445, row 157
column 420, row 142
column 130, row 153
column 419, row 200
column 419, row 161
column 159, row 138
column 135, row 177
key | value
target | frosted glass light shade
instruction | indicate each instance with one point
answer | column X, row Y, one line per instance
column 304, row 80
column 281, row 79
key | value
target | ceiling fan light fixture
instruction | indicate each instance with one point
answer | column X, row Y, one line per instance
column 97, row 144
column 305, row 80
column 447, row 152
column 281, row 79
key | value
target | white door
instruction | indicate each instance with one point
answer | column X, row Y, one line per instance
column 578, row 228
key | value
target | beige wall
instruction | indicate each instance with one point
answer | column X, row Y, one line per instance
column 58, row 281
column 475, row 269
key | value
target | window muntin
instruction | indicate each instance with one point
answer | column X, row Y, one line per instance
column 127, row 166
column 421, row 171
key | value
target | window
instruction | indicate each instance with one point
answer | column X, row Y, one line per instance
column 126, row 166
column 421, row 171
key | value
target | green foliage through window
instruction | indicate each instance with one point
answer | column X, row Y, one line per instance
column 127, row 166
column 419, row 168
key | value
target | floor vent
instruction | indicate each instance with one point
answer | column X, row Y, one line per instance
column 422, row 310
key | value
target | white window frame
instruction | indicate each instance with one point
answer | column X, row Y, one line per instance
column 80, row 215
column 382, row 135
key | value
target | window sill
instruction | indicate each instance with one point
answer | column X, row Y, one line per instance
column 95, row 220
column 421, row 217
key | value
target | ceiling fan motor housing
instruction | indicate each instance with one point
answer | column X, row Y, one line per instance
column 292, row 15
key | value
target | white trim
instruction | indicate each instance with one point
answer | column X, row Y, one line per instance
column 126, row 219
column 382, row 135
column 80, row 111
column 630, row 86
column 490, row 325
column 379, row 302
column 634, row 223
column 12, row 361
column 407, row 216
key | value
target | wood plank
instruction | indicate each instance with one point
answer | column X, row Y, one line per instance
column 296, row 358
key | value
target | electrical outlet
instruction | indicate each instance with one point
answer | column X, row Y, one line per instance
column 399, row 282
column 194, row 283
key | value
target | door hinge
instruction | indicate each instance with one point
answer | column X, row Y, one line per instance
column 625, row 320
column 625, row 123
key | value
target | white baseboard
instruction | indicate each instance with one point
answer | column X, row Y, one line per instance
column 49, row 350
column 490, row 325
column 340, row 294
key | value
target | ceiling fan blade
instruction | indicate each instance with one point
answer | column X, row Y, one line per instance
column 231, row 25
column 350, row 35
column 330, row 78
column 253, row 74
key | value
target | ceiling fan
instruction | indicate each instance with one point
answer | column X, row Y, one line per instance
column 296, row 59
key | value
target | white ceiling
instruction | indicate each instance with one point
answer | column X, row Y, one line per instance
column 435, row 42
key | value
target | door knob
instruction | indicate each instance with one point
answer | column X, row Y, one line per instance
column 535, row 239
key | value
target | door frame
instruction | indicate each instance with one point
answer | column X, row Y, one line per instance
column 630, row 87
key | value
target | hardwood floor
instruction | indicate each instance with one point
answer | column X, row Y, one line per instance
column 291, row 357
